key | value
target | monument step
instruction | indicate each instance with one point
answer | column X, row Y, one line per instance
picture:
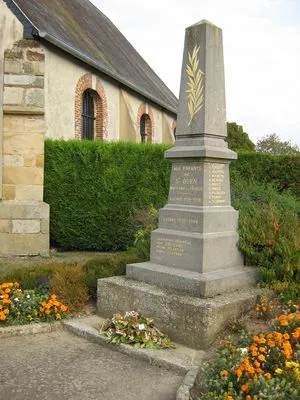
column 191, row 321
column 207, row 284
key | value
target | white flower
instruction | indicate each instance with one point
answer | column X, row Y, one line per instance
column 141, row 327
column 27, row 296
column 16, row 299
column 244, row 350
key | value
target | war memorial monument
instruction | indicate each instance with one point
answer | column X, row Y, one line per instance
column 195, row 281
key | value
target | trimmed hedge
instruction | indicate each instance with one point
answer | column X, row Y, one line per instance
column 282, row 171
column 98, row 191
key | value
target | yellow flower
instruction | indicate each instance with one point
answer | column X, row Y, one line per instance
column 278, row 371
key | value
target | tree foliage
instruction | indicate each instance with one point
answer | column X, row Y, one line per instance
column 273, row 145
column 237, row 138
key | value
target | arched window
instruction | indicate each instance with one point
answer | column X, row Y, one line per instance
column 146, row 129
column 88, row 115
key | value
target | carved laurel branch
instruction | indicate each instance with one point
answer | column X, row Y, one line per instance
column 195, row 84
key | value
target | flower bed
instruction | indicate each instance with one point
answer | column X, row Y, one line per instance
column 262, row 366
column 18, row 307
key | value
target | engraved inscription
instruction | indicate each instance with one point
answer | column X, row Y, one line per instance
column 186, row 184
column 171, row 247
column 178, row 220
column 216, row 180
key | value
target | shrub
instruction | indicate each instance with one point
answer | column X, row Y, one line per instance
column 106, row 266
column 142, row 241
column 269, row 231
column 281, row 171
column 68, row 282
column 94, row 188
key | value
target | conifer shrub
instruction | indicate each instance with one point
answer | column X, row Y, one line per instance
column 96, row 189
column 282, row 171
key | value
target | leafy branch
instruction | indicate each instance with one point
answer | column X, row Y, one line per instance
column 195, row 84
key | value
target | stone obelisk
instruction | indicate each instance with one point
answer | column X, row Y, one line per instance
column 195, row 250
column 191, row 284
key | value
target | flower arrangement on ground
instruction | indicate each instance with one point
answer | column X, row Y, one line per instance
column 134, row 329
column 266, row 367
column 18, row 307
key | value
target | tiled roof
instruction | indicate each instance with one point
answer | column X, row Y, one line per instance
column 81, row 29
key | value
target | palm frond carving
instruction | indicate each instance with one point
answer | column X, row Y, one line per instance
column 195, row 84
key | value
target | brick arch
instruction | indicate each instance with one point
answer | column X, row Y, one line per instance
column 84, row 83
column 145, row 109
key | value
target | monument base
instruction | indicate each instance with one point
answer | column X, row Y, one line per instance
column 191, row 321
column 24, row 228
column 207, row 284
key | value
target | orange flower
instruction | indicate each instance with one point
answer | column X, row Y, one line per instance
column 238, row 372
column 268, row 375
column 245, row 388
column 225, row 372
column 248, row 397
column 57, row 316
column 261, row 357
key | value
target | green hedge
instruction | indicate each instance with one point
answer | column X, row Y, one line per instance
column 98, row 191
column 282, row 171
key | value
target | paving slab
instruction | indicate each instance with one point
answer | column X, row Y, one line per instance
column 60, row 365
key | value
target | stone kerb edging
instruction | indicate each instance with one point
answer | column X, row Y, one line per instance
column 32, row 329
column 160, row 358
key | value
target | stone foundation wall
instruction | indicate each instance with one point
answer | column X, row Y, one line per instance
column 24, row 218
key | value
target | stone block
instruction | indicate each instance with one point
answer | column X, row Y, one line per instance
column 45, row 226
column 14, row 53
column 13, row 124
column 38, row 68
column 34, row 55
column 195, row 251
column 34, row 98
column 23, row 210
column 24, row 244
column 13, row 66
column 26, row 226
column 29, row 192
column 34, row 125
column 191, row 321
column 8, row 192
column 5, row 226
column 14, row 160
column 29, row 161
column 24, row 80
column 192, row 283
column 23, row 176
column 26, row 145
column 13, row 96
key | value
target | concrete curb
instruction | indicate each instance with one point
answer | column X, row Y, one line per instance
column 161, row 358
column 31, row 329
